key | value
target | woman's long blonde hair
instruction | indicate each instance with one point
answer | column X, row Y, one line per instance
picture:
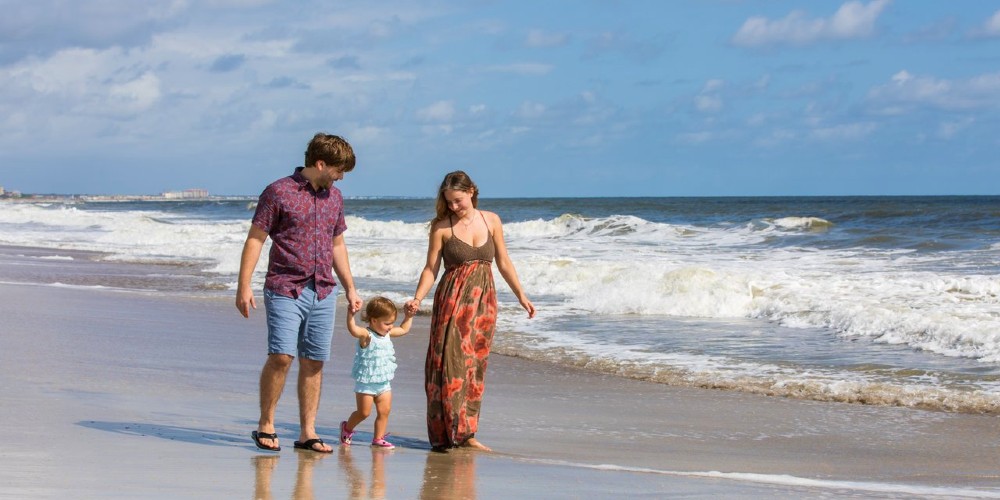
column 454, row 181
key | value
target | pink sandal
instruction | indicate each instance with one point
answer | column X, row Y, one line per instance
column 382, row 443
column 345, row 436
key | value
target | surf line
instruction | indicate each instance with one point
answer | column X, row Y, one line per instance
column 781, row 479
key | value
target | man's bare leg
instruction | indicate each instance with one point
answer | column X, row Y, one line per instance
column 310, row 386
column 272, row 383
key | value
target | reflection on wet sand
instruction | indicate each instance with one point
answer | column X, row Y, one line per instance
column 304, row 474
column 446, row 475
column 449, row 475
column 356, row 479
column 264, row 466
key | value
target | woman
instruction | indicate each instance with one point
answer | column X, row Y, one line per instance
column 467, row 240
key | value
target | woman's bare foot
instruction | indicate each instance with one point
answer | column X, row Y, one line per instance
column 473, row 443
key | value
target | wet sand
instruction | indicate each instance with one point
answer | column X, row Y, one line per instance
column 138, row 394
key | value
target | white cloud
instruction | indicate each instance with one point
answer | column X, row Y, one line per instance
column 437, row 129
column 708, row 103
column 844, row 132
column 365, row 134
column 948, row 130
column 695, row 137
column 713, row 85
column 993, row 24
column 905, row 90
column 207, row 46
column 709, row 100
column 518, row 68
column 989, row 28
column 138, row 94
column 440, row 111
column 265, row 121
column 776, row 138
column 46, row 26
column 530, row 110
column 540, row 39
column 83, row 81
column 66, row 72
column 852, row 20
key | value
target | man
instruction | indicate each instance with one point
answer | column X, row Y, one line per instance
column 304, row 216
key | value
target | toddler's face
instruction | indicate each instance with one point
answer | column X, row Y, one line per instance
column 382, row 325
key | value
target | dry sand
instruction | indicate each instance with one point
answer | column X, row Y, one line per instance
column 125, row 394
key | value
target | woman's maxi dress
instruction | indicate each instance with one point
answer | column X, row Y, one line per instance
column 462, row 324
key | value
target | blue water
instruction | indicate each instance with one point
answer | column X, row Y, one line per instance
column 889, row 300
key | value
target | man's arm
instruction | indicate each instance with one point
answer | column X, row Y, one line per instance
column 248, row 261
column 342, row 267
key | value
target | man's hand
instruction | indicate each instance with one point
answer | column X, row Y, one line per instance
column 353, row 302
column 245, row 301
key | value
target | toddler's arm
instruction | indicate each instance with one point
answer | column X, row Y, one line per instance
column 356, row 331
column 404, row 327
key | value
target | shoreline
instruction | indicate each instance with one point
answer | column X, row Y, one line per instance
column 121, row 393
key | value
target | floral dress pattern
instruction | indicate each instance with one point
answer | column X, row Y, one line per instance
column 462, row 325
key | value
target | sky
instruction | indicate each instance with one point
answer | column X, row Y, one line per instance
column 532, row 99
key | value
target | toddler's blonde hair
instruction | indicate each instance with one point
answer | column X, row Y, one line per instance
column 380, row 307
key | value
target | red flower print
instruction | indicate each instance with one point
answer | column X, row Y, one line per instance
column 462, row 326
column 454, row 386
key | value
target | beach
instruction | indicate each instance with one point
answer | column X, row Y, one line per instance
column 118, row 392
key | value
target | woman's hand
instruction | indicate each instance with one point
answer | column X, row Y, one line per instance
column 528, row 306
column 412, row 306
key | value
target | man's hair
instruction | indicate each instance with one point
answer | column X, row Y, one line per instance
column 380, row 307
column 332, row 150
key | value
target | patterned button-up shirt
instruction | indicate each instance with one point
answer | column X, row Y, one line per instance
column 302, row 224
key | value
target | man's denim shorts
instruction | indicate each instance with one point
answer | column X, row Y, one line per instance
column 302, row 326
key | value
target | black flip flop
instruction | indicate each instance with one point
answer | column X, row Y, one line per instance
column 257, row 436
column 308, row 445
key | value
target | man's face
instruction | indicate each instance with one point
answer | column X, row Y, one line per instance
column 330, row 174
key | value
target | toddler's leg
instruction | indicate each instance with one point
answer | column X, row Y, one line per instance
column 383, row 404
column 364, row 409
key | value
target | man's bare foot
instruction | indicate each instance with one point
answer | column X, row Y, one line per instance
column 475, row 444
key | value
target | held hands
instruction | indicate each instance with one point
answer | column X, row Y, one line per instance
column 354, row 302
column 411, row 307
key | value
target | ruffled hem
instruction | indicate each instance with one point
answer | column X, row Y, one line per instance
column 373, row 380
column 380, row 372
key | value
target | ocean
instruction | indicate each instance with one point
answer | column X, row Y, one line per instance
column 874, row 300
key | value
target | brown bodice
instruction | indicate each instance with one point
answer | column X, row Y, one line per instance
column 456, row 252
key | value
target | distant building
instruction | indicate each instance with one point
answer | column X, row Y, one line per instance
column 187, row 194
column 1, row 191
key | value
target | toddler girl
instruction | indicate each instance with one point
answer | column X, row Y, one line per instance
column 374, row 367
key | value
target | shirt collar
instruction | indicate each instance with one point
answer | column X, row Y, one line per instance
column 302, row 181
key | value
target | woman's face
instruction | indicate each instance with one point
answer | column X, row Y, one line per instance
column 459, row 202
